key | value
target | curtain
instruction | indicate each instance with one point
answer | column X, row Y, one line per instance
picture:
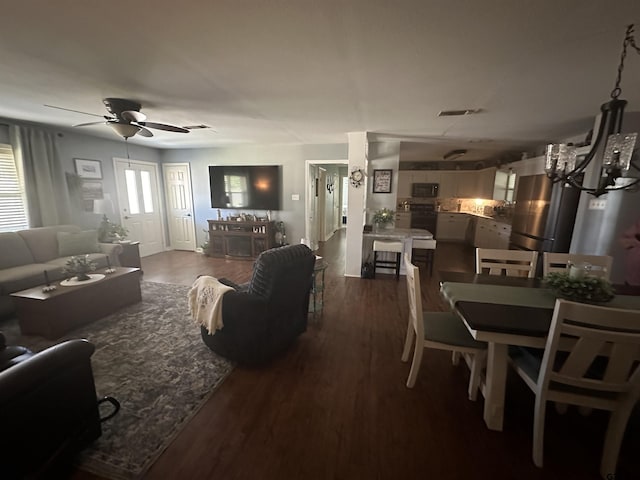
column 44, row 178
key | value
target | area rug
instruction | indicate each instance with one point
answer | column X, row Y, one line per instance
column 150, row 357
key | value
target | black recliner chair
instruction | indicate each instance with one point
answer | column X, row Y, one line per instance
column 262, row 318
column 48, row 408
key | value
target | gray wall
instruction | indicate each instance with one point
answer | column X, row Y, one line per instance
column 74, row 144
column 291, row 157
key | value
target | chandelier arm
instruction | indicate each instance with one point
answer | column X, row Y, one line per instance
column 623, row 187
column 596, row 144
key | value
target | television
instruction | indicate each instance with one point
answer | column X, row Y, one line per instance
column 249, row 187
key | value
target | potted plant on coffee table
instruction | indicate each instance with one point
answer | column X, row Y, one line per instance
column 79, row 267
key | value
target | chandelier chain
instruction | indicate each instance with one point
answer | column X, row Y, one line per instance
column 629, row 39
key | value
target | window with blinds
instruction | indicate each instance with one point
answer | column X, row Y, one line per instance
column 13, row 215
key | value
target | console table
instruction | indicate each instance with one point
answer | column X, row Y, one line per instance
column 243, row 240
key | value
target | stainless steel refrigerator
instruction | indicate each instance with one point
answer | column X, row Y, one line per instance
column 544, row 215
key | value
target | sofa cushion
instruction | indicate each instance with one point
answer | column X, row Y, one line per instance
column 13, row 251
column 19, row 278
column 43, row 241
column 77, row 243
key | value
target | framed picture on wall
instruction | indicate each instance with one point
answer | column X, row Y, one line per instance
column 382, row 181
column 90, row 169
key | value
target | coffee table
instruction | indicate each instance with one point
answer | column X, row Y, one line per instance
column 52, row 314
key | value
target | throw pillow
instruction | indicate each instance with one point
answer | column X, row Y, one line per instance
column 77, row 243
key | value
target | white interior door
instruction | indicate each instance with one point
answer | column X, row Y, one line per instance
column 321, row 204
column 139, row 201
column 311, row 201
column 178, row 195
column 336, row 201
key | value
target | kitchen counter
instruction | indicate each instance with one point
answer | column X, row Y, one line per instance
column 399, row 233
column 405, row 235
column 496, row 218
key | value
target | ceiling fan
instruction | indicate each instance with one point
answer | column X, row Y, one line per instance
column 126, row 119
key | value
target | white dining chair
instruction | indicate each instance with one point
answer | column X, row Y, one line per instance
column 601, row 370
column 511, row 263
column 439, row 330
column 600, row 265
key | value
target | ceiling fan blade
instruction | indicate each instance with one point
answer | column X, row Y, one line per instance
column 89, row 123
column 164, row 126
column 77, row 111
column 133, row 116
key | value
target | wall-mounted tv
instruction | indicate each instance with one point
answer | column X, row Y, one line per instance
column 252, row 187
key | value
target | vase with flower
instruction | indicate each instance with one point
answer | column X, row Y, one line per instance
column 384, row 218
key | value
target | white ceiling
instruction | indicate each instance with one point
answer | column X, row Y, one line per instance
column 309, row 71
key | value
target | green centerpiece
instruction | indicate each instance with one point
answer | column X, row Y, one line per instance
column 384, row 218
column 585, row 289
column 109, row 232
column 79, row 267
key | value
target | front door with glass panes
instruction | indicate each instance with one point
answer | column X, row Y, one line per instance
column 139, row 201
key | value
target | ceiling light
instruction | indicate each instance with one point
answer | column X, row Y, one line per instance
column 125, row 130
column 457, row 113
column 616, row 157
column 454, row 154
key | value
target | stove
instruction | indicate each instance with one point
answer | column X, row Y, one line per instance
column 424, row 215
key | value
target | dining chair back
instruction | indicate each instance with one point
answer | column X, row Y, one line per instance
column 438, row 330
column 512, row 263
column 599, row 265
column 601, row 370
column 423, row 249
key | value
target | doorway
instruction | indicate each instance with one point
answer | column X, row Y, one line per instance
column 139, row 200
column 179, row 200
column 323, row 200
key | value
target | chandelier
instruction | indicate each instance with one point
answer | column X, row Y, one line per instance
column 561, row 163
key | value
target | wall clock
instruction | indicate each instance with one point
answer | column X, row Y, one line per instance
column 357, row 177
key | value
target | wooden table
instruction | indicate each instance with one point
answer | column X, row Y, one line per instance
column 504, row 311
column 52, row 314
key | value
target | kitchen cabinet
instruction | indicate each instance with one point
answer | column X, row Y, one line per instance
column 408, row 177
column 404, row 184
column 447, row 185
column 465, row 184
column 491, row 234
column 485, row 184
column 452, row 227
column 403, row 220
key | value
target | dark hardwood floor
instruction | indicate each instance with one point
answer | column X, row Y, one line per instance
column 335, row 406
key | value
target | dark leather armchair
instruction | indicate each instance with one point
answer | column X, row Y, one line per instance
column 48, row 408
column 262, row 318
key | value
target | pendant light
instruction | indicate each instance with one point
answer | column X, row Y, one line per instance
column 617, row 156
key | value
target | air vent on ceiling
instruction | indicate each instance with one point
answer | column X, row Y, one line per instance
column 196, row 127
column 457, row 113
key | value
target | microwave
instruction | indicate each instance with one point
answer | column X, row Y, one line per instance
column 424, row 190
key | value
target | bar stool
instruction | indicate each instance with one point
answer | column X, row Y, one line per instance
column 423, row 249
column 387, row 246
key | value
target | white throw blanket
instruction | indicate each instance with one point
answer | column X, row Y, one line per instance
column 205, row 302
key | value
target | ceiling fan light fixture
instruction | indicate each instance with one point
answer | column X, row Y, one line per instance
column 125, row 130
column 133, row 116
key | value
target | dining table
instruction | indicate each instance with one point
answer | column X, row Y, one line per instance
column 505, row 311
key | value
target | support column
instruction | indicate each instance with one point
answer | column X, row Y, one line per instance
column 358, row 147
